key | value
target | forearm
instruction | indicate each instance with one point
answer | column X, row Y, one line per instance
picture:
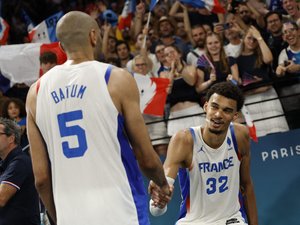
column 266, row 52
column 105, row 43
column 203, row 86
column 174, row 8
column 46, row 195
column 154, row 171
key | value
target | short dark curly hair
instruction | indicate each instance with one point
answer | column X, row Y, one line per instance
column 228, row 90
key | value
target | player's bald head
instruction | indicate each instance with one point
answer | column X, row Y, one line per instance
column 73, row 30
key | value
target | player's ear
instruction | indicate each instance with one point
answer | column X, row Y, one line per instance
column 205, row 106
column 61, row 46
column 235, row 116
column 93, row 37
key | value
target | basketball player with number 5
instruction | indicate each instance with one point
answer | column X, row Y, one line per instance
column 87, row 136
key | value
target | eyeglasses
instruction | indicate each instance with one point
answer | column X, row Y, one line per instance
column 290, row 30
column 160, row 50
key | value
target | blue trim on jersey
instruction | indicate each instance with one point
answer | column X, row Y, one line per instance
column 134, row 175
column 193, row 133
column 184, row 182
column 234, row 139
column 107, row 73
column 242, row 209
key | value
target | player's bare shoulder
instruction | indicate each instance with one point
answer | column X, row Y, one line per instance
column 242, row 136
column 182, row 144
column 122, row 87
column 31, row 98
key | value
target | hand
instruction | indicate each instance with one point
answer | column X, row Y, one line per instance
column 213, row 76
column 255, row 33
column 160, row 196
column 218, row 28
column 280, row 70
column 292, row 67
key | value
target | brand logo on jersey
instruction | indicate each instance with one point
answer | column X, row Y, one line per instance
column 229, row 142
column 232, row 221
column 200, row 150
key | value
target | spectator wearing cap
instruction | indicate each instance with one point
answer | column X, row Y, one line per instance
column 166, row 32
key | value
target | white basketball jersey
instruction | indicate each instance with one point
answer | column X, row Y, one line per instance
column 210, row 188
column 95, row 175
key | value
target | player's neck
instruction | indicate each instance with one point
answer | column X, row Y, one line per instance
column 79, row 57
column 213, row 140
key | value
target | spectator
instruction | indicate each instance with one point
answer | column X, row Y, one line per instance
column 159, row 129
column 109, row 43
column 218, row 68
column 183, row 98
column 253, row 64
column 162, row 66
column 233, row 33
column 166, row 32
column 19, row 203
column 14, row 109
column 274, row 38
column 198, row 36
column 292, row 8
column 289, row 68
column 123, row 53
column 47, row 61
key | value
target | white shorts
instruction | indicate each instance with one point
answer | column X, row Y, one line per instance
column 236, row 219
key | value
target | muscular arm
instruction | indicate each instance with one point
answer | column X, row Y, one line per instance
column 124, row 93
column 245, row 177
column 39, row 156
column 179, row 154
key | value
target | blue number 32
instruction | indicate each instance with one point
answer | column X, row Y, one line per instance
column 214, row 184
column 74, row 130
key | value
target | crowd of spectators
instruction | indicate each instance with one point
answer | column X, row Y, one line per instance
column 255, row 44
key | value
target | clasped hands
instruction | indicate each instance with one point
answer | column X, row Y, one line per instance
column 160, row 195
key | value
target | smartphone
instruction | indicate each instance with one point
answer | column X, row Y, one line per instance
column 286, row 63
column 226, row 26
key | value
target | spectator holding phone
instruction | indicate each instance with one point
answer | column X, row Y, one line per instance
column 289, row 69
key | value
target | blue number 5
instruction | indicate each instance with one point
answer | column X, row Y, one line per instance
column 75, row 130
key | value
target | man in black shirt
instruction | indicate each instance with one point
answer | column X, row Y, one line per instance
column 19, row 203
column 274, row 39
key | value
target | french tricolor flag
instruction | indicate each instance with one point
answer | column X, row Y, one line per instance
column 250, row 124
column 153, row 94
column 211, row 5
column 153, row 4
column 26, row 57
column 127, row 14
column 4, row 31
column 45, row 32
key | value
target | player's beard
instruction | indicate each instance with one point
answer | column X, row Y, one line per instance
column 217, row 132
